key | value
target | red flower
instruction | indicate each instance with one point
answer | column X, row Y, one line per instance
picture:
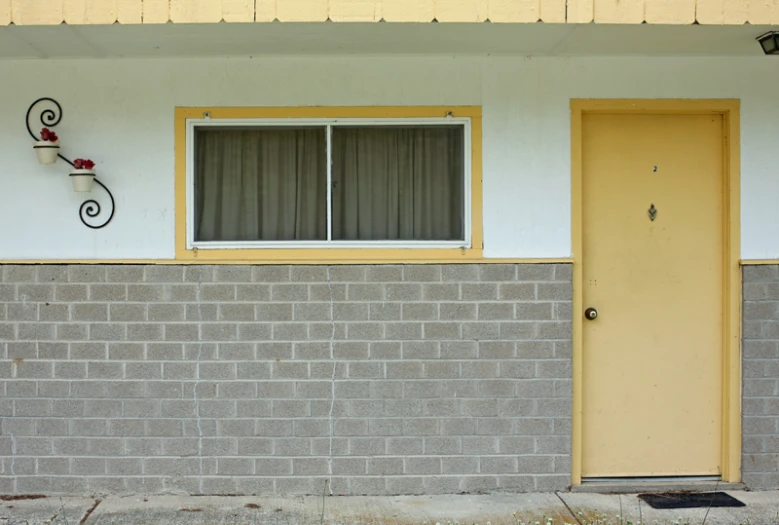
column 48, row 135
column 83, row 164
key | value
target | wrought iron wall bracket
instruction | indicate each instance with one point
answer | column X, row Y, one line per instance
column 50, row 117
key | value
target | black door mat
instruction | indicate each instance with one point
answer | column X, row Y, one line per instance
column 690, row 500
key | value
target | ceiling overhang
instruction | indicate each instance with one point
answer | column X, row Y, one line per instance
column 301, row 39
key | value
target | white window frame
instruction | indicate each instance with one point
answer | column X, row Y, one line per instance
column 327, row 125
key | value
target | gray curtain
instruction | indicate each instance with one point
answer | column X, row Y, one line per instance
column 261, row 184
column 270, row 184
column 398, row 183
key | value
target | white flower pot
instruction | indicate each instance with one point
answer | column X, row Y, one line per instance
column 82, row 180
column 47, row 151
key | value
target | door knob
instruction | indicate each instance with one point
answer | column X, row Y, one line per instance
column 590, row 314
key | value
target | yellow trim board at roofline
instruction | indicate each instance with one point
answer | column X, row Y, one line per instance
column 249, row 262
column 325, row 255
column 154, row 12
column 731, row 380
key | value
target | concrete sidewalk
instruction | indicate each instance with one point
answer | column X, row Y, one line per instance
column 762, row 508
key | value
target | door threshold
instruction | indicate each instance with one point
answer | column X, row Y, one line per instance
column 658, row 479
column 658, row 484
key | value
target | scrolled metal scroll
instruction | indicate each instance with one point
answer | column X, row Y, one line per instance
column 49, row 118
column 91, row 208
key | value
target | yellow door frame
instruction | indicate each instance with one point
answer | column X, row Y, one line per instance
column 731, row 326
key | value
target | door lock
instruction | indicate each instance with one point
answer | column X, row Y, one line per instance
column 590, row 314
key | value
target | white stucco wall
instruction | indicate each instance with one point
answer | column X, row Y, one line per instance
column 120, row 114
column 527, row 140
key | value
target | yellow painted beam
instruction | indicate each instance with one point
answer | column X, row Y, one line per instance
column 5, row 12
column 238, row 10
column 99, row 12
column 619, row 11
column 408, row 10
column 265, row 10
column 552, row 11
column 301, row 10
column 669, row 11
column 514, row 11
column 763, row 11
column 354, row 10
column 195, row 11
column 580, row 11
column 681, row 12
column 719, row 12
column 458, row 11
column 129, row 11
column 709, row 12
column 735, row 12
column 156, row 11
column 75, row 11
column 36, row 12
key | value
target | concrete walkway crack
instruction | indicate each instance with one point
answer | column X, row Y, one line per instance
column 567, row 507
column 89, row 512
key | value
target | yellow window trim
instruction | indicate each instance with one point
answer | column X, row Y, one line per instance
column 329, row 255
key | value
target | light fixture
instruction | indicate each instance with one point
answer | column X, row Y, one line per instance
column 770, row 42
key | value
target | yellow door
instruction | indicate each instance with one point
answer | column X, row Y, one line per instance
column 652, row 267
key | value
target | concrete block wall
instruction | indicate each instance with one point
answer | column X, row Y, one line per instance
column 760, row 462
column 399, row 379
